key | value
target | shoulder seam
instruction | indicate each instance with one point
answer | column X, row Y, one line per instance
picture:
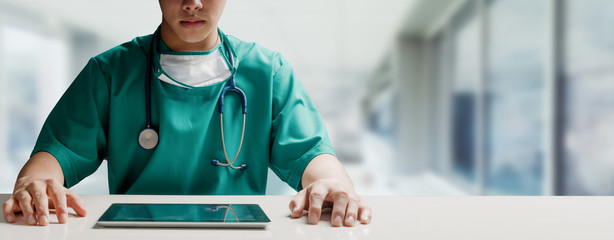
column 106, row 78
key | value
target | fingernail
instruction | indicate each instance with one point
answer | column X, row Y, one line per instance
column 338, row 221
column 44, row 220
column 351, row 220
column 63, row 218
column 313, row 219
column 31, row 220
column 364, row 219
column 9, row 218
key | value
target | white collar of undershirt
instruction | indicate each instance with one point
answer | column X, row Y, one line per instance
column 196, row 69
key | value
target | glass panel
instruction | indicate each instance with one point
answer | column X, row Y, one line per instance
column 515, row 93
column 465, row 73
column 588, row 166
column 437, row 78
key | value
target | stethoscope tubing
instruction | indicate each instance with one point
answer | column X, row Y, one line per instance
column 148, row 82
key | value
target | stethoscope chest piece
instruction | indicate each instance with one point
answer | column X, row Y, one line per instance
column 148, row 138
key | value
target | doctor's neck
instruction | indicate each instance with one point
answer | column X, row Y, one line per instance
column 189, row 40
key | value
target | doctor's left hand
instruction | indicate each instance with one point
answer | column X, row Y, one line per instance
column 347, row 206
column 328, row 185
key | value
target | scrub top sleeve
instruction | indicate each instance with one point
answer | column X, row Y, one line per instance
column 298, row 133
column 75, row 130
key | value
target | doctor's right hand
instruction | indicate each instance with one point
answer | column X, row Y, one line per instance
column 37, row 190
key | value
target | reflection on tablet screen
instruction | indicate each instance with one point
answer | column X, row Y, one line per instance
column 185, row 213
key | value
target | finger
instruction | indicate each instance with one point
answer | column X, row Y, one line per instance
column 25, row 203
column 316, row 199
column 57, row 193
column 9, row 208
column 351, row 213
column 75, row 202
column 340, row 204
column 297, row 205
column 41, row 203
column 365, row 214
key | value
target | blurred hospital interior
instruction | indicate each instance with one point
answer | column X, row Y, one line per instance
column 420, row 97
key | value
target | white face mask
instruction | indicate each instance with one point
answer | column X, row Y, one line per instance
column 196, row 70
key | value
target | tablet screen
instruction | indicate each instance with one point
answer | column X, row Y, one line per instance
column 186, row 213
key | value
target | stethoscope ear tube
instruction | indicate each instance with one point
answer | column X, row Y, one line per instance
column 229, row 163
column 231, row 88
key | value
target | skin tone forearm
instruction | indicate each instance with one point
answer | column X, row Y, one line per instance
column 324, row 166
column 39, row 187
column 42, row 165
column 325, row 183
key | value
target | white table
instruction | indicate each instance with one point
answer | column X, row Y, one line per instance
column 396, row 217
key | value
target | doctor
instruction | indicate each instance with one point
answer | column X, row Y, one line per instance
column 170, row 85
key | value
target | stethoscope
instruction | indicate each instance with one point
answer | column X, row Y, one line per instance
column 149, row 138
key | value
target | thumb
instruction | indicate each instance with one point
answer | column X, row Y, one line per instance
column 297, row 205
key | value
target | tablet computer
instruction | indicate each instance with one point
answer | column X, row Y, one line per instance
column 184, row 215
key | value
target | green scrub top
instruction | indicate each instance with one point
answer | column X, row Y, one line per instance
column 103, row 111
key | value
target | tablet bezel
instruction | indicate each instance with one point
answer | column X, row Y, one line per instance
column 107, row 218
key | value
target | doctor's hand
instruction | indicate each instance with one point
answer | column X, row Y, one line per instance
column 347, row 206
column 329, row 186
column 38, row 189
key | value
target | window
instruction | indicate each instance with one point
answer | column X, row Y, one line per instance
column 515, row 75
column 466, row 75
column 589, row 108
column 438, row 61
